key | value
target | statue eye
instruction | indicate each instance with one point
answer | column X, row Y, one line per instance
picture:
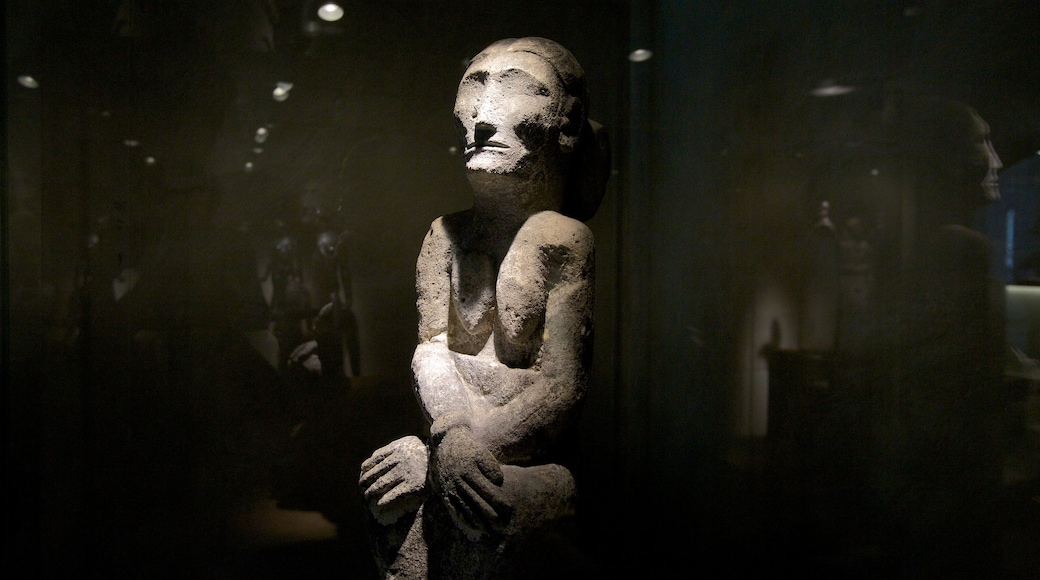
column 479, row 76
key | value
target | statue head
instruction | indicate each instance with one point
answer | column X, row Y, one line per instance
column 952, row 143
column 981, row 161
column 522, row 108
column 521, row 103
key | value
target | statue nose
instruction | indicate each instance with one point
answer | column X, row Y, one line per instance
column 482, row 133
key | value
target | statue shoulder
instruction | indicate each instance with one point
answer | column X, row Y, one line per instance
column 450, row 225
column 549, row 228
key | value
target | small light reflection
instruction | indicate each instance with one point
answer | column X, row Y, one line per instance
column 330, row 12
column 249, row 166
column 28, row 82
column 875, row 172
column 829, row 88
column 131, row 143
column 261, row 135
column 258, row 150
column 149, row 161
column 640, row 55
column 281, row 92
column 453, row 150
column 106, row 114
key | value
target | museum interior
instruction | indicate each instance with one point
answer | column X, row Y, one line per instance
column 817, row 280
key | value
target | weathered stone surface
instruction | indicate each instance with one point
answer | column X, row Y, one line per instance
column 505, row 301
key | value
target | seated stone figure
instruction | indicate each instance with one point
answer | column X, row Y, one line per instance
column 505, row 301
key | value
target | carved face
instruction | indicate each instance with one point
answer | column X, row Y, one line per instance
column 983, row 160
column 510, row 110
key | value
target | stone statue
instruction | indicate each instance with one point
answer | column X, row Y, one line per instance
column 936, row 355
column 505, row 301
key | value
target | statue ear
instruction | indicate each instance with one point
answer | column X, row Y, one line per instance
column 574, row 120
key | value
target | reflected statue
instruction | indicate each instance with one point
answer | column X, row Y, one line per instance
column 940, row 348
column 505, row 302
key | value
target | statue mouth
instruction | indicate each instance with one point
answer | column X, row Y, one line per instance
column 472, row 147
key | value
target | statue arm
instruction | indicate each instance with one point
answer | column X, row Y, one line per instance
column 393, row 479
column 437, row 382
column 521, row 428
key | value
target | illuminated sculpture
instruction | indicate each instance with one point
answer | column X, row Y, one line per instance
column 505, row 301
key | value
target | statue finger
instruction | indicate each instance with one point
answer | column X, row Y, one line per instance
column 373, row 471
column 482, row 509
column 462, row 514
column 380, row 454
column 306, row 348
column 490, row 495
column 384, row 484
column 399, row 491
column 490, row 468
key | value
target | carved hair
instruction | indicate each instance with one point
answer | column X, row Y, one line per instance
column 590, row 159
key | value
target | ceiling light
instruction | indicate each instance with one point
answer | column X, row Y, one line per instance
column 330, row 12
column 281, row 92
column 829, row 88
column 131, row 143
column 640, row 55
column 261, row 135
column 28, row 82
column 249, row 166
column 149, row 161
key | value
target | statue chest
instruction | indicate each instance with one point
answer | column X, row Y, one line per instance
column 502, row 301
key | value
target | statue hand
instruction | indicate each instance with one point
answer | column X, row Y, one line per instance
column 469, row 479
column 304, row 359
column 393, row 479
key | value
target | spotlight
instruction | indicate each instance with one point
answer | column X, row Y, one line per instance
column 330, row 12
column 829, row 88
column 28, row 82
column 261, row 135
column 149, row 161
column 322, row 17
column 281, row 91
column 640, row 55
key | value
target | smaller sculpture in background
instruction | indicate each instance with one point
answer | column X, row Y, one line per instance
column 303, row 315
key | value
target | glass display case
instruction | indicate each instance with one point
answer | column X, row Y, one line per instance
column 815, row 336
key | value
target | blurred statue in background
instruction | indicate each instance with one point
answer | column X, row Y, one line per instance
column 326, row 276
column 505, row 301
column 299, row 304
column 939, row 350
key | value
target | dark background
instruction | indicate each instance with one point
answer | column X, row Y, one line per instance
column 717, row 141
